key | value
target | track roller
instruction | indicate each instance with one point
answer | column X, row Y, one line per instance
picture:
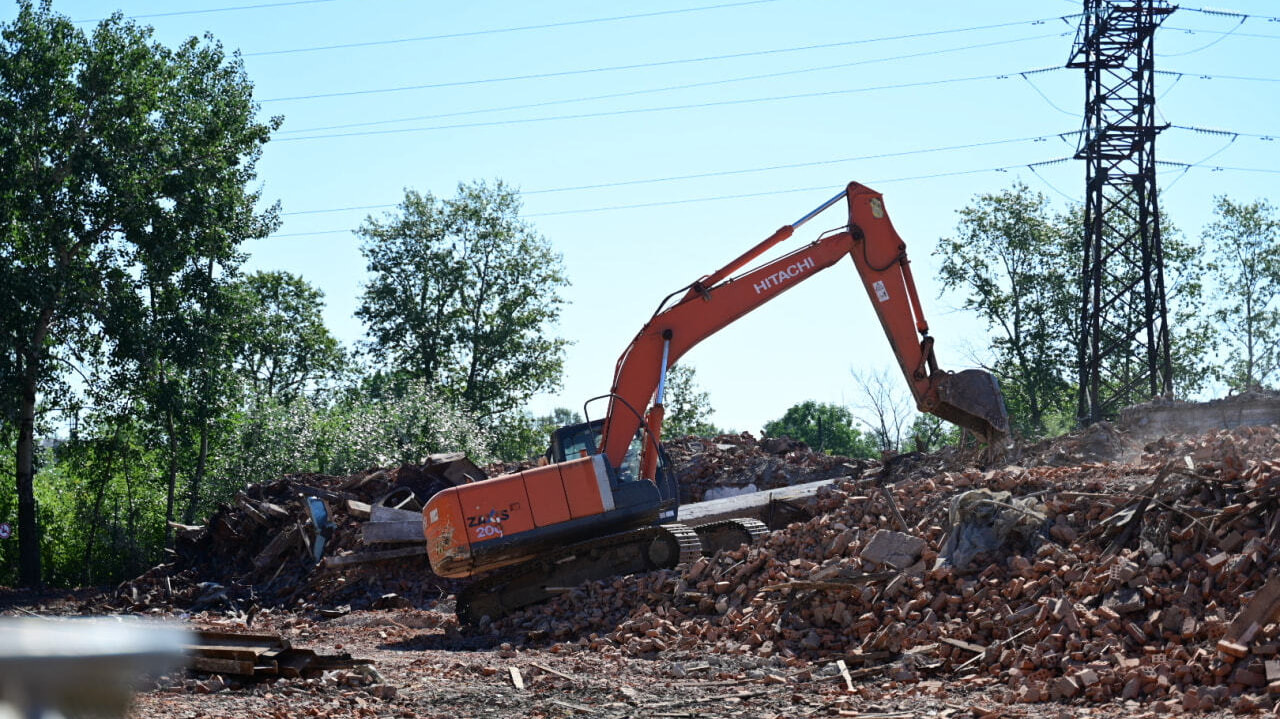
column 730, row 534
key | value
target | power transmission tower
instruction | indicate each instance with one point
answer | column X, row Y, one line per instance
column 1124, row 348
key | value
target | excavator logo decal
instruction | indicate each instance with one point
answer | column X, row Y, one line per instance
column 790, row 271
column 493, row 517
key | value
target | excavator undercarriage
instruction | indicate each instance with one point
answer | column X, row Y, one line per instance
column 641, row 550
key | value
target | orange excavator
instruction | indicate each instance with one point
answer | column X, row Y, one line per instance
column 606, row 502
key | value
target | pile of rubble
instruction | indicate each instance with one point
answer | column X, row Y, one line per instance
column 1153, row 580
column 304, row 541
column 739, row 463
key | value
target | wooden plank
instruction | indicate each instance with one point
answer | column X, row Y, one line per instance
column 748, row 506
column 277, row 546
column 975, row 648
column 457, row 468
column 393, row 532
column 549, row 670
column 250, row 510
column 208, row 637
column 844, row 672
column 516, row 679
column 221, row 666
column 349, row 559
column 243, row 654
column 358, row 510
column 1261, row 609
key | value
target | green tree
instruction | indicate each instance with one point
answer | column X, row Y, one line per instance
column 824, row 427
column 282, row 344
column 355, row 429
column 1245, row 243
column 124, row 163
column 463, row 294
column 930, row 433
column 688, row 407
column 559, row 417
column 1015, row 264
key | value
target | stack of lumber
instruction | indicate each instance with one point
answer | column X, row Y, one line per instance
column 259, row 655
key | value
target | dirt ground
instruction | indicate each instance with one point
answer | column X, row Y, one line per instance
column 421, row 665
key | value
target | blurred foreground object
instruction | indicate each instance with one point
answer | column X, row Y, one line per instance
column 56, row 668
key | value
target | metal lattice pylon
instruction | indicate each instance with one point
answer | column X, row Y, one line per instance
column 1124, row 348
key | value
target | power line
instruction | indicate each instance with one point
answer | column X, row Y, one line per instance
column 308, row 234
column 1217, row 131
column 768, row 193
column 1208, row 76
column 666, row 108
column 495, row 31
column 740, row 171
column 1051, row 103
column 882, row 181
column 1231, row 139
column 659, row 63
column 1209, row 44
column 1220, row 168
column 207, row 11
column 1232, row 31
column 1228, row 13
column 815, row 163
column 670, row 88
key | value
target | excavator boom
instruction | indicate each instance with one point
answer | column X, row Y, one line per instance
column 970, row 399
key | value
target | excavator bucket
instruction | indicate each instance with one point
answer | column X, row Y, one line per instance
column 972, row 399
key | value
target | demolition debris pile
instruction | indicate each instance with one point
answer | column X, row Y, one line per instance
column 738, row 463
column 1153, row 580
column 267, row 548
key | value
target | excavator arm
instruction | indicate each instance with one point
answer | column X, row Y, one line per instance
column 970, row 399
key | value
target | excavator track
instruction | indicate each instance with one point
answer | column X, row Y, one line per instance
column 640, row 550
column 730, row 534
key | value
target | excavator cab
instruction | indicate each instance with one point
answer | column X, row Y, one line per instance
column 583, row 439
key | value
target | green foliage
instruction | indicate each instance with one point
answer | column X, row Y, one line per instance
column 126, row 167
column 462, row 294
column 930, row 433
column 688, row 408
column 282, row 347
column 359, row 431
column 1015, row 264
column 824, row 427
column 518, row 436
column 1245, row 241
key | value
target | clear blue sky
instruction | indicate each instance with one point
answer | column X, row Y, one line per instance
column 382, row 95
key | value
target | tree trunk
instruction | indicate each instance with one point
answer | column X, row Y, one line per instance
column 172, row 479
column 28, row 529
column 193, row 492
